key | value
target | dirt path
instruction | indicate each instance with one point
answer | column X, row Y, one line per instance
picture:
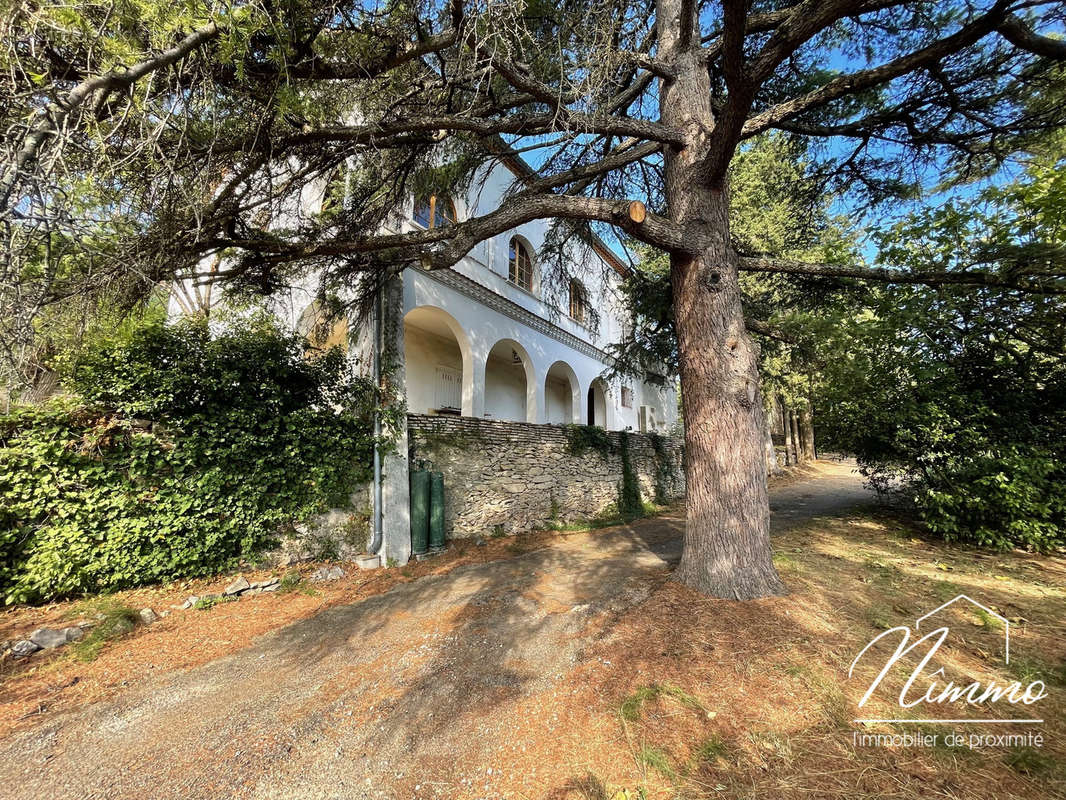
column 410, row 693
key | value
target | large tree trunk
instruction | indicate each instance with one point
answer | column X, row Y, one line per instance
column 772, row 467
column 727, row 535
column 793, row 420
column 806, row 428
column 787, row 428
column 727, row 538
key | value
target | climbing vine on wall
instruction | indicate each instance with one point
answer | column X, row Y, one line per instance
column 665, row 478
column 582, row 438
column 629, row 501
column 182, row 452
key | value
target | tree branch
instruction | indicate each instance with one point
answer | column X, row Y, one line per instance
column 866, row 79
column 1016, row 32
column 54, row 117
column 382, row 134
column 1019, row 281
column 441, row 248
column 767, row 330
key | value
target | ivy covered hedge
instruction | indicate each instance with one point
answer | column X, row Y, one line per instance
column 179, row 453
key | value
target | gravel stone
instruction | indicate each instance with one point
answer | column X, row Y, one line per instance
column 24, row 648
column 238, row 586
column 327, row 574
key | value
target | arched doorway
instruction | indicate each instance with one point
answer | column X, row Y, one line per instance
column 597, row 403
column 562, row 401
column 438, row 371
column 509, row 383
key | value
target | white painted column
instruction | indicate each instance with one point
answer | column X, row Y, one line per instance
column 395, row 480
column 536, row 407
column 478, row 361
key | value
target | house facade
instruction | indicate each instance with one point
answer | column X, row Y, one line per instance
column 504, row 336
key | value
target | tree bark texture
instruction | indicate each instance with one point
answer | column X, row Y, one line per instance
column 806, row 427
column 772, row 467
column 786, row 432
column 727, row 536
column 797, row 450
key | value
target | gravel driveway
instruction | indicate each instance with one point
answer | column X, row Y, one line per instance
column 395, row 696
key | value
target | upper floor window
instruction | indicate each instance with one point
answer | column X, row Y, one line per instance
column 579, row 303
column 520, row 270
column 627, row 397
column 435, row 211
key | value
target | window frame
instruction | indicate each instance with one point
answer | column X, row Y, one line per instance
column 516, row 248
column 579, row 301
column 431, row 203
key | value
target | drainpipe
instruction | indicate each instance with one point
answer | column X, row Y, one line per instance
column 376, row 538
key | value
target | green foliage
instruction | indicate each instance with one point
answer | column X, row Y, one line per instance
column 293, row 581
column 113, row 620
column 631, row 707
column 956, row 398
column 629, row 502
column 209, row 601
column 665, row 479
column 191, row 452
column 711, row 749
column 582, row 438
column 658, row 760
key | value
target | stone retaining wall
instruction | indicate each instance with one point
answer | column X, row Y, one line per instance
column 516, row 476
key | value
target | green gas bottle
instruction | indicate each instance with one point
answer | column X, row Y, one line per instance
column 436, row 511
column 419, row 511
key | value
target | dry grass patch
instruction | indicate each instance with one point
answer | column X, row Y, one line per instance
column 752, row 700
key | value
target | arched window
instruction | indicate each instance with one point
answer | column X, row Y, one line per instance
column 435, row 211
column 520, row 270
column 579, row 302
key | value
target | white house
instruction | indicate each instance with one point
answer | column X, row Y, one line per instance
column 494, row 337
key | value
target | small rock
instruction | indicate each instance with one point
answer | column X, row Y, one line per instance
column 51, row 638
column 24, row 648
column 273, row 587
column 479, row 542
column 74, row 633
column 163, row 614
column 238, row 586
column 264, row 584
column 147, row 615
column 327, row 574
column 193, row 600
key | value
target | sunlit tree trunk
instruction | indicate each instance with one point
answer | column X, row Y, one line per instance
column 797, row 452
column 727, row 536
column 806, row 428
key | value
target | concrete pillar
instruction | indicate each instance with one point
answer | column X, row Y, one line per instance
column 478, row 360
column 395, row 481
column 536, row 407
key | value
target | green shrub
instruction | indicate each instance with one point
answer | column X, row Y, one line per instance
column 187, row 452
column 629, row 500
column 582, row 438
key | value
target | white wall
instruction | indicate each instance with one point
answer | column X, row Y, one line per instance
column 558, row 400
column 423, row 353
column 505, row 390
